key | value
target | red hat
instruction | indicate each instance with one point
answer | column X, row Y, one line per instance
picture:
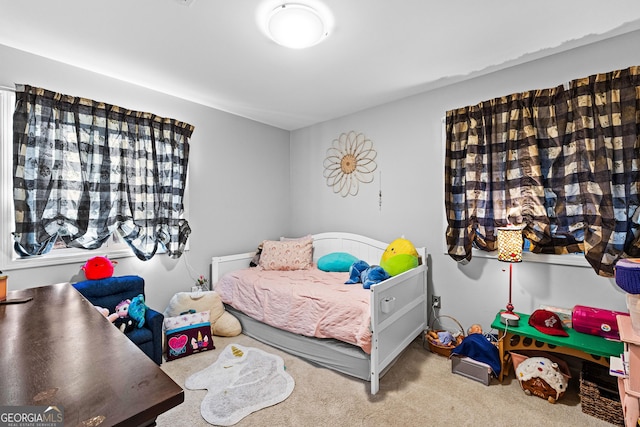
column 547, row 322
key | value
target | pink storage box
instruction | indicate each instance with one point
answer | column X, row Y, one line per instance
column 596, row 321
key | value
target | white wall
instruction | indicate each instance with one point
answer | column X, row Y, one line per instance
column 407, row 137
column 238, row 176
column 248, row 182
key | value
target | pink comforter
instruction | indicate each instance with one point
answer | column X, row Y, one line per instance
column 306, row 302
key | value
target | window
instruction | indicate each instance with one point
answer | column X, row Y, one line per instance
column 570, row 259
column 115, row 247
column 9, row 260
column 573, row 259
column 560, row 161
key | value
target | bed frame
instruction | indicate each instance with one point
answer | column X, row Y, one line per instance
column 398, row 312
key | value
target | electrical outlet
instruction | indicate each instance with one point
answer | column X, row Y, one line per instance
column 436, row 302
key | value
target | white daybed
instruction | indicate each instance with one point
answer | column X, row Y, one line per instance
column 398, row 312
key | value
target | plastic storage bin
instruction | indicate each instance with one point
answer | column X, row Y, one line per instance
column 596, row 321
column 470, row 368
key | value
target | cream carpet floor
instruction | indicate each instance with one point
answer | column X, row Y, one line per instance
column 419, row 390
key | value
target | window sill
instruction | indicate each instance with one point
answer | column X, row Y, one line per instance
column 572, row 260
column 51, row 259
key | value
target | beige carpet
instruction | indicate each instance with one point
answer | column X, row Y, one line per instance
column 419, row 390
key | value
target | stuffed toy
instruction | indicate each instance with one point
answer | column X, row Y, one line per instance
column 397, row 247
column 137, row 310
column 103, row 311
column 98, row 267
column 362, row 272
column 223, row 323
column 399, row 257
column 129, row 314
column 474, row 329
column 124, row 322
column 447, row 338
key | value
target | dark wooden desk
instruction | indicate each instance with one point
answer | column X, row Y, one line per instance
column 58, row 350
column 525, row 337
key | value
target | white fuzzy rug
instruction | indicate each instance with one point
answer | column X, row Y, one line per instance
column 242, row 380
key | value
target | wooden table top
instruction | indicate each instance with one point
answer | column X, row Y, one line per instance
column 58, row 350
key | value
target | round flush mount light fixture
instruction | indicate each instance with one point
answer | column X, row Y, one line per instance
column 296, row 26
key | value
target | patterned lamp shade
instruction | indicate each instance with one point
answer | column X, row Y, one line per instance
column 510, row 244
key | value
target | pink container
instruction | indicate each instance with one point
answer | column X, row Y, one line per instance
column 633, row 304
column 596, row 321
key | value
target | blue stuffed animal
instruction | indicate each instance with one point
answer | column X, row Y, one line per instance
column 137, row 310
column 362, row 272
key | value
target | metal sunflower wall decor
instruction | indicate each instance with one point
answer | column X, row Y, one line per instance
column 350, row 160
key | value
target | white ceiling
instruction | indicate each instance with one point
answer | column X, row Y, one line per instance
column 212, row 51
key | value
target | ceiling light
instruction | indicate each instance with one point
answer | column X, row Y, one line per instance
column 296, row 26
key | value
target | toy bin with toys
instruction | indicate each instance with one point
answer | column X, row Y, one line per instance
column 444, row 338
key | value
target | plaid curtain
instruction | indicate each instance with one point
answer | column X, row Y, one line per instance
column 84, row 169
column 563, row 162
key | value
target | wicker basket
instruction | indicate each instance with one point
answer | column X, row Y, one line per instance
column 599, row 396
column 435, row 346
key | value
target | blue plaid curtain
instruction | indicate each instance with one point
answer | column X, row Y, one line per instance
column 564, row 162
column 85, row 169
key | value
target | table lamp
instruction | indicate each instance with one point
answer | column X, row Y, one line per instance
column 510, row 250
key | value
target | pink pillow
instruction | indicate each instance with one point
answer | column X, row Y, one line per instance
column 287, row 254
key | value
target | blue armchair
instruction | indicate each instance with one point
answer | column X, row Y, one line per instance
column 109, row 292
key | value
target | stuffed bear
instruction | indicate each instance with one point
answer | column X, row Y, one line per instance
column 362, row 272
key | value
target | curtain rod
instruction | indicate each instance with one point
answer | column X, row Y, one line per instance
column 12, row 89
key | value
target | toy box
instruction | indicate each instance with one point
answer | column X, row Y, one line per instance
column 596, row 321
